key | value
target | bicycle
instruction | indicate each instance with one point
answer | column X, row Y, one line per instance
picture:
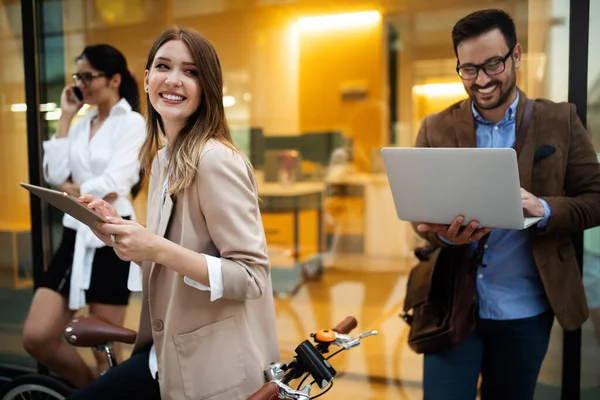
column 90, row 331
column 309, row 362
column 82, row 331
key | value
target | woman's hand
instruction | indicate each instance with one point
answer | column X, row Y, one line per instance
column 103, row 209
column 111, row 197
column 130, row 240
column 69, row 104
column 99, row 206
column 70, row 188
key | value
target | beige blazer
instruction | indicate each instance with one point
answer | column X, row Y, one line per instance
column 210, row 350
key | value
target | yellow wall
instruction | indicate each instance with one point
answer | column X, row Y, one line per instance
column 294, row 75
column 331, row 59
column 274, row 105
column 14, row 213
column 435, row 94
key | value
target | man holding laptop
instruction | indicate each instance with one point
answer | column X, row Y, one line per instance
column 528, row 276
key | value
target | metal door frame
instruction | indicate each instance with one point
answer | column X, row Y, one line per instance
column 579, row 20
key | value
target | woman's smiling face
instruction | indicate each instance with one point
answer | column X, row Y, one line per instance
column 173, row 85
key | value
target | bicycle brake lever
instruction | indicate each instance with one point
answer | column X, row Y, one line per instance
column 355, row 342
column 329, row 337
column 367, row 334
column 276, row 370
column 287, row 392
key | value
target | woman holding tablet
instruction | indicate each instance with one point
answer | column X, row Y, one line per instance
column 207, row 327
column 97, row 155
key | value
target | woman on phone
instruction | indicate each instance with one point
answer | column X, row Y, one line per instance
column 207, row 327
column 96, row 155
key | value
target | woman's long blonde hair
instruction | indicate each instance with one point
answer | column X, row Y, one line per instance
column 207, row 122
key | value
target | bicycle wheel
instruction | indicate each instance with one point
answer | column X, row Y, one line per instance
column 35, row 386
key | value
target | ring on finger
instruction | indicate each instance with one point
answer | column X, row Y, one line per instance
column 113, row 238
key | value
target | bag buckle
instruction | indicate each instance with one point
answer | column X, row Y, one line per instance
column 407, row 317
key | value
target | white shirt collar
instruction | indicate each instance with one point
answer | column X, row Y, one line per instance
column 121, row 107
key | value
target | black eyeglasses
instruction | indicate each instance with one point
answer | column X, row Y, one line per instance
column 86, row 78
column 492, row 67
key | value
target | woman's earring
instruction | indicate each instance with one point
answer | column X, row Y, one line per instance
column 146, row 88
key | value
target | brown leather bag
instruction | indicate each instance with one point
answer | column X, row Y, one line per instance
column 441, row 293
column 441, row 300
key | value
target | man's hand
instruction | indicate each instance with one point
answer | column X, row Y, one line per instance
column 453, row 232
column 532, row 206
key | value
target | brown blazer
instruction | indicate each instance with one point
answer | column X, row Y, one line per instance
column 568, row 179
column 210, row 350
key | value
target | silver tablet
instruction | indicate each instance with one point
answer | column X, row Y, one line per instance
column 67, row 204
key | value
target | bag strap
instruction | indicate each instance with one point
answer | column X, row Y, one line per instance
column 524, row 126
column 519, row 140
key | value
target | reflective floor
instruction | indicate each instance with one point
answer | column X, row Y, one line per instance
column 383, row 367
column 374, row 298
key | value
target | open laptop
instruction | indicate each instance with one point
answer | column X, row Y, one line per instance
column 435, row 185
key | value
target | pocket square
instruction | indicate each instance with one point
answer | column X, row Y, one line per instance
column 542, row 152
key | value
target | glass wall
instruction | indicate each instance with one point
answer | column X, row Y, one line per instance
column 15, row 222
column 324, row 85
column 590, row 353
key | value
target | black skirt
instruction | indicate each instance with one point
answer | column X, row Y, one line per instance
column 108, row 283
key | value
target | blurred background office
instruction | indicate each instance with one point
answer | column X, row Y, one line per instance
column 313, row 90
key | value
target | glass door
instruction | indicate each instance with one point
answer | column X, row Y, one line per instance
column 292, row 82
column 590, row 333
column 16, row 271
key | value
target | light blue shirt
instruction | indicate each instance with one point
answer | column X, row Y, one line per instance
column 509, row 287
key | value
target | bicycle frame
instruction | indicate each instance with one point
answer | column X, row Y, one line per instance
column 108, row 351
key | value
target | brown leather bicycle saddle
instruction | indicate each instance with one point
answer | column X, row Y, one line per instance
column 89, row 331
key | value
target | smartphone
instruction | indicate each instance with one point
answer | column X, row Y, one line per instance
column 78, row 93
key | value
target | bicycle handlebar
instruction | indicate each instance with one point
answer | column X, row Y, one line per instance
column 271, row 390
column 346, row 325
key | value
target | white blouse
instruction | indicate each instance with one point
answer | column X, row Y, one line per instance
column 108, row 163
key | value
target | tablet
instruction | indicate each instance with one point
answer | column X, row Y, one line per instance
column 67, row 204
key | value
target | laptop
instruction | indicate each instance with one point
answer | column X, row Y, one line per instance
column 435, row 185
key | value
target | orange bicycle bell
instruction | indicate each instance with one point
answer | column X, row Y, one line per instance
column 324, row 336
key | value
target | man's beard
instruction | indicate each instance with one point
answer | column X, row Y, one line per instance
column 504, row 96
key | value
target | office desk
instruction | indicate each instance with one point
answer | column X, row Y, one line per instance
column 292, row 219
column 366, row 219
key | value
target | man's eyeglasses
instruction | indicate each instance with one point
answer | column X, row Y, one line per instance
column 495, row 66
column 86, row 78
